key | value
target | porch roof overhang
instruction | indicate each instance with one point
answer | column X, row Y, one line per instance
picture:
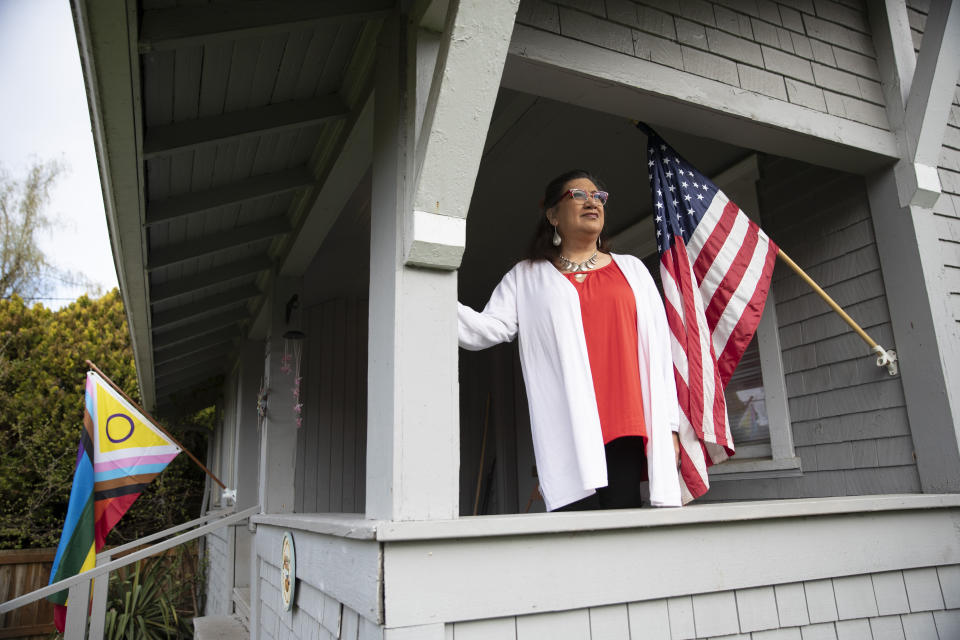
column 228, row 138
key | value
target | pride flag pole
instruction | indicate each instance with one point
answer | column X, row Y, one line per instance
column 154, row 422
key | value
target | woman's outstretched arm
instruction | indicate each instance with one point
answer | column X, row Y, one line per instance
column 496, row 323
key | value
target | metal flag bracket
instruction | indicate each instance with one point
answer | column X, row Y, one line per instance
column 229, row 494
column 886, row 358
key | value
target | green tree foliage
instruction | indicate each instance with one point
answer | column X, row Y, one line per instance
column 42, row 374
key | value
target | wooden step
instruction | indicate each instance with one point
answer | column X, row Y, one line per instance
column 219, row 628
column 241, row 604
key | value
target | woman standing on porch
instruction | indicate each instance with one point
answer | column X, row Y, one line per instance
column 595, row 352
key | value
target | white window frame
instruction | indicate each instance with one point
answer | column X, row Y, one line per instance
column 777, row 458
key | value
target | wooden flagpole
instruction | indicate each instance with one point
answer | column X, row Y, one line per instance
column 885, row 358
column 154, row 422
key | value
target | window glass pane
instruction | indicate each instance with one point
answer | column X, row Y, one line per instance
column 746, row 404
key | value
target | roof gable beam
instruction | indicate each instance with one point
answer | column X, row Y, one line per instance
column 252, row 188
column 222, row 241
column 189, row 134
column 188, row 26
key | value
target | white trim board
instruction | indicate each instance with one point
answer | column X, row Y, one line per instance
column 352, row 525
column 463, row 579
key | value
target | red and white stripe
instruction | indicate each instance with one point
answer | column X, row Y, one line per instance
column 714, row 288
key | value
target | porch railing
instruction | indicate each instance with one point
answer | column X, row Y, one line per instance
column 79, row 585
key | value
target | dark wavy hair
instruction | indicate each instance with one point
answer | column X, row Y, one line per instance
column 541, row 245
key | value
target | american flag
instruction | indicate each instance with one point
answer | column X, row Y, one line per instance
column 715, row 264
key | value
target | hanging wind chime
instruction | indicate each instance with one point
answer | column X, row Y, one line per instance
column 290, row 364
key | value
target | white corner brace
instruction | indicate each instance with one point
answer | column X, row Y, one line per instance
column 436, row 240
column 886, row 359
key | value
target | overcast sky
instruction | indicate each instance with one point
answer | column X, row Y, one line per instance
column 43, row 116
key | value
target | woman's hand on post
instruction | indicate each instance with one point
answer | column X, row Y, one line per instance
column 676, row 448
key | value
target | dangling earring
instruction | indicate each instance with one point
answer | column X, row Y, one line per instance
column 598, row 242
column 556, row 238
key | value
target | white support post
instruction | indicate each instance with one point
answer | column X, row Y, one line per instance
column 78, row 598
column 413, row 436
column 98, row 609
column 254, row 625
column 424, row 168
column 278, row 438
column 248, row 448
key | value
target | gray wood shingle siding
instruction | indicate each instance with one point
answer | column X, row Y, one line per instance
column 916, row 604
column 331, row 443
column 849, row 421
column 947, row 210
column 817, row 54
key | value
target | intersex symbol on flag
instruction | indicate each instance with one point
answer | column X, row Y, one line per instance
column 120, row 452
column 715, row 265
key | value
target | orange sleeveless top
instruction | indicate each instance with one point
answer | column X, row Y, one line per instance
column 609, row 312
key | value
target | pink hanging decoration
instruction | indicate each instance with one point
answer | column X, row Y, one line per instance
column 292, row 357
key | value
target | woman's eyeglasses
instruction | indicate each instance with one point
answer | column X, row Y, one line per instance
column 582, row 196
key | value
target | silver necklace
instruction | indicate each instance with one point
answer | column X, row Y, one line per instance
column 569, row 265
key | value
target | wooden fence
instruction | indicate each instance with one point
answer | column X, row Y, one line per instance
column 23, row 571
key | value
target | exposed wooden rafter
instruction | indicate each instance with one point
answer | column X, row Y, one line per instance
column 217, row 275
column 222, row 338
column 251, row 188
column 185, row 404
column 188, row 26
column 204, row 306
column 202, row 361
column 214, row 243
column 220, row 352
column 189, row 134
column 189, row 381
column 195, row 329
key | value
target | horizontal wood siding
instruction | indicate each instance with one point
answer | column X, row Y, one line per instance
column 816, row 54
column 848, row 416
column 331, row 444
column 914, row 605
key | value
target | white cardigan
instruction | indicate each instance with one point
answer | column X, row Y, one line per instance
column 541, row 304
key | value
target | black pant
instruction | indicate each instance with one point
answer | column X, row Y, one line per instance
column 626, row 462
